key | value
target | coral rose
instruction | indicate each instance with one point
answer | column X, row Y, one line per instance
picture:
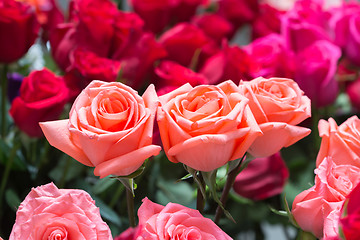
column 206, row 126
column 317, row 209
column 342, row 143
column 110, row 127
column 278, row 104
column 51, row 213
column 175, row 221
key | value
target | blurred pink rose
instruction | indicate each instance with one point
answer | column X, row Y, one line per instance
column 353, row 91
column 110, row 128
column 315, row 72
column 173, row 75
column 342, row 142
column 262, row 178
column 350, row 215
column 51, row 213
column 175, row 221
column 271, row 57
column 278, row 105
column 317, row 209
column 206, row 126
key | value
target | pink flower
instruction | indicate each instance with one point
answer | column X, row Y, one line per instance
column 262, row 178
column 51, row 213
column 110, row 127
column 317, row 209
column 342, row 143
column 175, row 222
column 129, row 234
column 353, row 91
column 315, row 72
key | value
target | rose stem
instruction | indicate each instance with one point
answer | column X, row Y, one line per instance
column 130, row 207
column 3, row 99
column 225, row 193
column 200, row 201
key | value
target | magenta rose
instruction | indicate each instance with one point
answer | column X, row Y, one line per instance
column 42, row 98
column 350, row 215
column 173, row 75
column 175, row 221
column 315, row 72
column 353, row 91
column 51, row 213
column 272, row 57
column 262, row 178
column 18, row 29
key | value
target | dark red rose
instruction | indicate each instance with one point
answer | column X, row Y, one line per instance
column 262, row 178
column 42, row 98
column 353, row 91
column 185, row 9
column 350, row 215
column 18, row 29
column 173, row 75
column 183, row 41
column 155, row 13
column 239, row 12
column 87, row 66
column 139, row 58
column 267, row 22
column 52, row 15
column 214, row 26
column 231, row 63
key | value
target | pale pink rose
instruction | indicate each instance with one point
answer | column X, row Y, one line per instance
column 110, row 128
column 206, row 126
column 278, row 105
column 175, row 221
column 51, row 213
column 316, row 209
column 342, row 143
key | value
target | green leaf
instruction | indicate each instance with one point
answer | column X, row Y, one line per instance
column 12, row 199
column 19, row 163
column 103, row 184
column 178, row 192
column 106, row 212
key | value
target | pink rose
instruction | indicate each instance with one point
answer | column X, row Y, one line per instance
column 350, row 221
column 175, row 221
column 51, row 213
column 110, row 128
column 315, row 72
column 341, row 143
column 129, row 234
column 315, row 209
column 278, row 105
column 206, row 126
column 262, row 178
column 271, row 57
column 353, row 44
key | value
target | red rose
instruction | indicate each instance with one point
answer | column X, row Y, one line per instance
column 206, row 22
column 262, row 178
column 42, row 98
column 182, row 41
column 18, row 30
column 231, row 63
column 350, row 217
column 185, row 9
column 173, row 75
column 87, row 66
column 239, row 12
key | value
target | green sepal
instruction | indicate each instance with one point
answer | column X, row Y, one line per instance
column 128, row 183
column 194, row 174
column 289, row 214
